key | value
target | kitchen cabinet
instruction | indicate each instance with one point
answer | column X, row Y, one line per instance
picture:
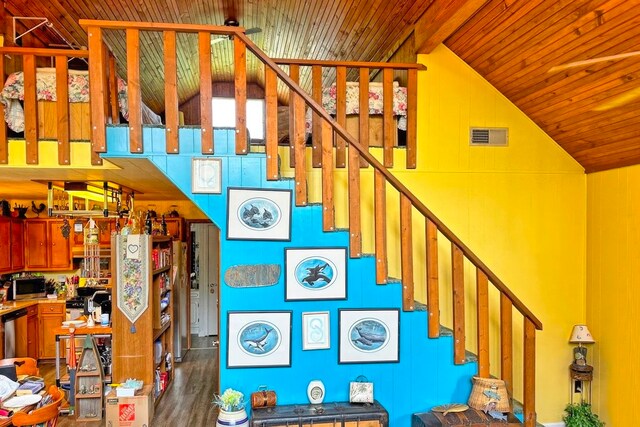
column 32, row 332
column 46, row 246
column 50, row 315
column 105, row 227
column 11, row 244
column 174, row 228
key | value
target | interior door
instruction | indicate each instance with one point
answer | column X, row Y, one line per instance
column 213, row 258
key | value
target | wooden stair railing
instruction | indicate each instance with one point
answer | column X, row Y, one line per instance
column 383, row 178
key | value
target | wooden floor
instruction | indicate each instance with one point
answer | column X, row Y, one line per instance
column 187, row 401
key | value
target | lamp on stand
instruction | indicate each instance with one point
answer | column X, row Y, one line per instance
column 580, row 371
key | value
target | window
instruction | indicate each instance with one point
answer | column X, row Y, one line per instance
column 224, row 115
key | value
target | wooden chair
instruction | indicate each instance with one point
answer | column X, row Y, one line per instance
column 24, row 365
column 45, row 416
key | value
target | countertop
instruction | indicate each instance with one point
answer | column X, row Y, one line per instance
column 11, row 306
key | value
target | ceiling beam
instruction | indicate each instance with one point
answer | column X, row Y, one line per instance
column 441, row 20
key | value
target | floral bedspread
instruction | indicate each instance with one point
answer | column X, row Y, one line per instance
column 375, row 101
column 13, row 93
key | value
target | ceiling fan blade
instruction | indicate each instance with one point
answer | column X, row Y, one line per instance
column 619, row 100
column 253, row 30
column 218, row 40
column 593, row 61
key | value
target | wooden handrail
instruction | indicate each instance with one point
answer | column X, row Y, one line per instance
column 36, row 51
column 391, row 179
column 162, row 26
column 350, row 64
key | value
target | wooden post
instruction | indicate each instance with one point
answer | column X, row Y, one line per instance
column 341, row 113
column 62, row 110
column 134, row 94
column 30, row 109
column 433, row 292
column 412, row 117
column 529, row 385
column 482, row 298
column 389, row 126
column 364, row 112
column 355, row 226
column 171, row 113
column 328, row 211
column 506, row 341
column 240, row 76
column 4, row 142
column 380, row 226
column 113, row 90
column 97, row 89
column 457, row 278
column 294, row 73
column 271, row 122
column 206, row 119
column 406, row 251
column 299, row 151
column 316, row 136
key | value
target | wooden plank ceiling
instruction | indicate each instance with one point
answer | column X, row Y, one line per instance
column 590, row 109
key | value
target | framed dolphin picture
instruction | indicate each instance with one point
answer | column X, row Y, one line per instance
column 369, row 336
column 315, row 274
column 258, row 339
column 259, row 214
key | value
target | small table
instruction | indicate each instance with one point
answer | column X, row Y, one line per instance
column 81, row 332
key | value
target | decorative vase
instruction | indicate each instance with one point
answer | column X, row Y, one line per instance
column 235, row 418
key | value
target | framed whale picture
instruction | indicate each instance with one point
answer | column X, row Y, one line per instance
column 315, row 274
column 258, row 214
column 369, row 336
column 258, row 339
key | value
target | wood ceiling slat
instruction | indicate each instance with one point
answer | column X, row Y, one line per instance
column 471, row 28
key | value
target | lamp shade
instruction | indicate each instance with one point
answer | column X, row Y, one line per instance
column 581, row 335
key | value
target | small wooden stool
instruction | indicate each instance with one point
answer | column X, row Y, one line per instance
column 469, row 417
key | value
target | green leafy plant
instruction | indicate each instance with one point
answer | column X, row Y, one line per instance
column 580, row 415
column 231, row 400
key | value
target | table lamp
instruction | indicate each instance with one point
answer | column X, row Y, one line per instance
column 580, row 335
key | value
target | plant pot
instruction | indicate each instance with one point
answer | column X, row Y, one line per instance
column 235, row 418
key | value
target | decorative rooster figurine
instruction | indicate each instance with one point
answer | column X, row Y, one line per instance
column 37, row 209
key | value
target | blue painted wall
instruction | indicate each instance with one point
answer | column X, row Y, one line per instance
column 425, row 375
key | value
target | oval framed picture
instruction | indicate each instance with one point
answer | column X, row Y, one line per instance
column 258, row 214
column 315, row 274
column 369, row 336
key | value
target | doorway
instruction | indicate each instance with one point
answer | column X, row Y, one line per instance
column 204, row 274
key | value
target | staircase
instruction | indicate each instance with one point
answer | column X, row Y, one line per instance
column 429, row 371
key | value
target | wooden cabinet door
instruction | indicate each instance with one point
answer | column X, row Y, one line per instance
column 59, row 247
column 21, row 336
column 51, row 316
column 174, row 228
column 17, row 245
column 105, row 226
column 5, row 245
column 36, row 244
column 32, row 333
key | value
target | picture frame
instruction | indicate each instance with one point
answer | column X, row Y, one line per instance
column 315, row 274
column 316, row 331
column 258, row 214
column 206, row 175
column 369, row 335
column 258, row 339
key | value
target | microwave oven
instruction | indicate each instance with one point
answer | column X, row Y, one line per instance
column 27, row 288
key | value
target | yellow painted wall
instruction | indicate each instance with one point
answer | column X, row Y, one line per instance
column 521, row 209
column 613, row 273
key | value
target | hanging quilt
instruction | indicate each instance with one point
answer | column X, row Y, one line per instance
column 132, row 267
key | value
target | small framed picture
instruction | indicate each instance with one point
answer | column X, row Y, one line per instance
column 315, row 330
column 206, row 175
column 258, row 339
column 257, row 214
column 369, row 336
column 315, row 274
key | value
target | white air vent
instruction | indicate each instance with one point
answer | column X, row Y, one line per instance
column 489, row 136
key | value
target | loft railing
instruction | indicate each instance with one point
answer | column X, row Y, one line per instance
column 356, row 153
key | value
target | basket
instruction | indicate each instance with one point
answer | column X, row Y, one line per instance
column 489, row 394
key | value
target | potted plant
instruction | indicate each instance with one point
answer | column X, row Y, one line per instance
column 580, row 415
column 232, row 412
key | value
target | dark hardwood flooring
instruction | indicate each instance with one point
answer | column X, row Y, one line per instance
column 187, row 401
column 204, row 342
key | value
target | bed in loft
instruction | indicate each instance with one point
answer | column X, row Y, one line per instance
column 375, row 109
column 12, row 96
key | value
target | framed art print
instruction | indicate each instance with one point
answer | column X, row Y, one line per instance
column 206, row 175
column 257, row 214
column 369, row 336
column 258, row 339
column 315, row 330
column 315, row 274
